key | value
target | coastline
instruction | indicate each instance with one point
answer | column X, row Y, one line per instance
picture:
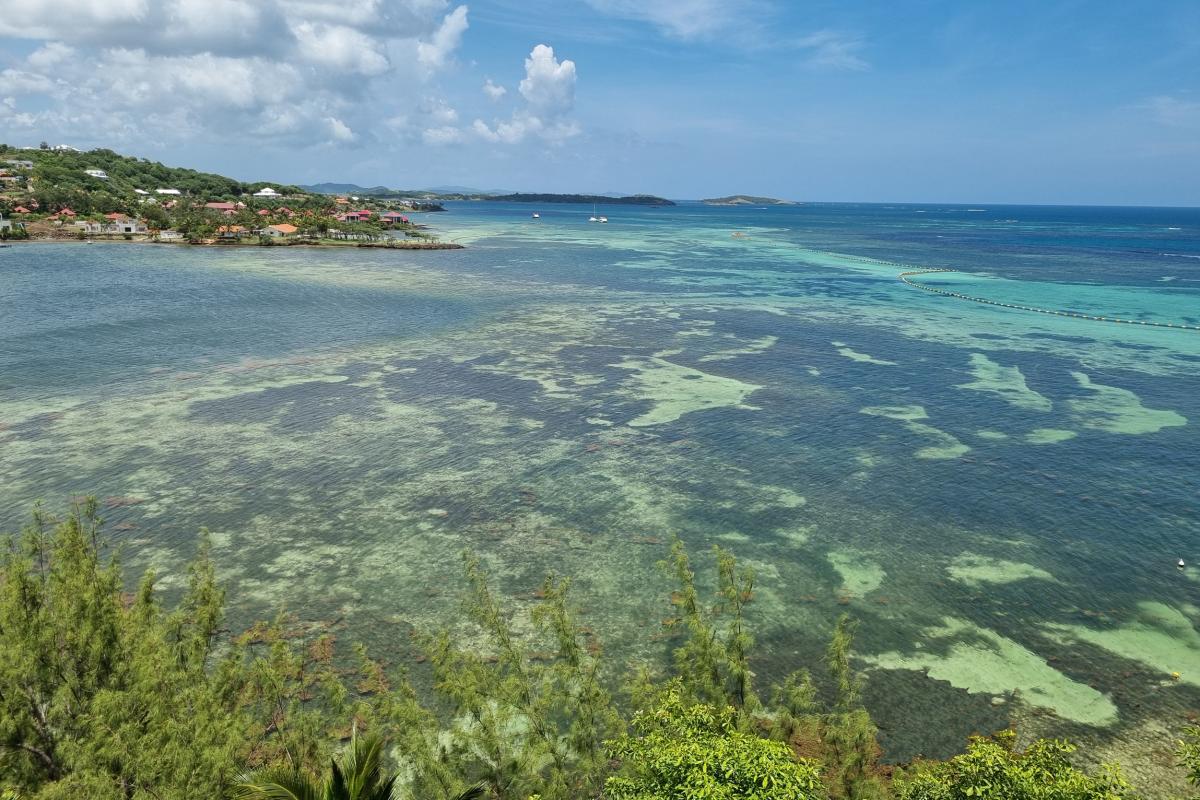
column 394, row 244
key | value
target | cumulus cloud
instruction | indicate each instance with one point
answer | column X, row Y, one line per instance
column 493, row 90
column 549, row 84
column 310, row 71
column 548, row 89
column 434, row 53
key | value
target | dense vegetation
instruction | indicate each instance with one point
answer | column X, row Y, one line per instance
column 105, row 694
column 59, row 179
column 745, row 200
column 599, row 199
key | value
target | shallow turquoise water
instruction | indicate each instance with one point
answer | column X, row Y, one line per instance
column 998, row 496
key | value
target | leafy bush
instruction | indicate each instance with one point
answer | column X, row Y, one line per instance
column 692, row 751
column 994, row 768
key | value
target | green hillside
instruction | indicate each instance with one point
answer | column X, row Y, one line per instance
column 59, row 178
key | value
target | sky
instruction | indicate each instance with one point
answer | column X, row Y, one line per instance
column 1047, row 101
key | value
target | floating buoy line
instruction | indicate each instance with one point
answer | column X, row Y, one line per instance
column 908, row 275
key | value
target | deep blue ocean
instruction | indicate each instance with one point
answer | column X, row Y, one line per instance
column 999, row 497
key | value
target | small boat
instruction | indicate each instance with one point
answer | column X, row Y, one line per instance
column 593, row 217
column 603, row 219
column 536, row 215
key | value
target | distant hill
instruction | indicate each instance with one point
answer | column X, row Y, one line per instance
column 631, row 200
column 64, row 173
column 346, row 188
column 746, row 200
column 466, row 190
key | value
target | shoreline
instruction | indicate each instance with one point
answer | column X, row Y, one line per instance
column 388, row 245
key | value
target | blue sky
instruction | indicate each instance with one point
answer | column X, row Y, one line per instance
column 1067, row 102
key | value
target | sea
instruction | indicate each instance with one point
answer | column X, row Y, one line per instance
column 998, row 492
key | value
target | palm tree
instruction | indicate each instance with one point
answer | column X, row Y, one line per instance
column 359, row 776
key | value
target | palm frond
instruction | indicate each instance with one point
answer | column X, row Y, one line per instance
column 475, row 792
column 383, row 791
column 277, row 784
column 361, row 764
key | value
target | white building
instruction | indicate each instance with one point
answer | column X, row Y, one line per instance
column 266, row 191
column 168, row 191
column 140, row 191
column 96, row 173
column 170, row 236
column 19, row 163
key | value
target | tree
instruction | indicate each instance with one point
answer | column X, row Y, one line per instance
column 102, row 694
column 848, row 734
column 689, row 751
column 992, row 767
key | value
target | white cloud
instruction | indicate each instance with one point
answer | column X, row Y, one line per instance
column 832, row 50
column 438, row 111
column 494, row 90
column 131, row 72
column 447, row 134
column 340, row 131
column 689, row 19
column 435, row 52
column 549, row 92
column 340, row 48
column 548, row 85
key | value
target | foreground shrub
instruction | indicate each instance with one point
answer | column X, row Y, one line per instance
column 994, row 768
column 696, row 752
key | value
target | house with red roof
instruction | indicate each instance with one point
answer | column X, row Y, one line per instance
column 221, row 206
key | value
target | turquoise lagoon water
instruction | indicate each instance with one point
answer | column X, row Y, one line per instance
column 999, row 497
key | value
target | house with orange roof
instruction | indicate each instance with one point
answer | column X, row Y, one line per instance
column 280, row 231
column 232, row 232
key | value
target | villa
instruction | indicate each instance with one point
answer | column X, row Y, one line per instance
column 96, row 173
column 393, row 217
column 19, row 163
column 168, row 191
column 266, row 191
column 281, row 231
column 228, row 208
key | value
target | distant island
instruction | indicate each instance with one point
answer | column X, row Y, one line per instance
column 746, row 200
column 631, row 200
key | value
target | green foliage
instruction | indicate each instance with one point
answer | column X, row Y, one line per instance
column 850, row 748
column 713, row 661
column 1189, row 753
column 107, row 695
column 357, row 775
column 526, row 722
column 994, row 768
column 692, row 751
column 104, row 695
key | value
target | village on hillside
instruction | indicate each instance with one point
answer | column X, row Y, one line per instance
column 63, row 193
